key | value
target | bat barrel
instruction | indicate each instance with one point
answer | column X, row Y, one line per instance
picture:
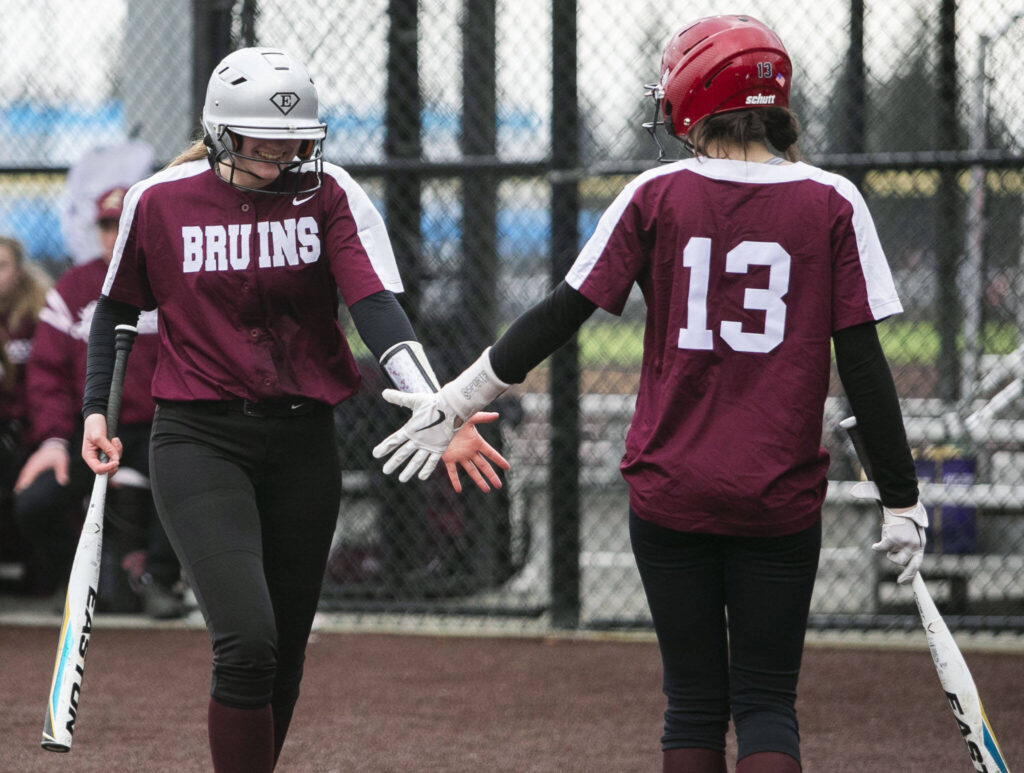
column 69, row 666
column 957, row 682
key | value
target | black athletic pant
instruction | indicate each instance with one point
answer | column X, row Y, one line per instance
column 250, row 504
column 730, row 614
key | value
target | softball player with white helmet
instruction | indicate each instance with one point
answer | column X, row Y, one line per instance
column 751, row 264
column 243, row 243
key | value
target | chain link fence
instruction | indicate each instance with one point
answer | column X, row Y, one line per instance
column 492, row 134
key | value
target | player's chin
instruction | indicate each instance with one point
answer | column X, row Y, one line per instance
column 259, row 175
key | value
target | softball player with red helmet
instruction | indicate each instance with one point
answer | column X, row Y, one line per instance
column 243, row 244
column 751, row 264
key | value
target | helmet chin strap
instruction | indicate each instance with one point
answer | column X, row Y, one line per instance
column 227, row 158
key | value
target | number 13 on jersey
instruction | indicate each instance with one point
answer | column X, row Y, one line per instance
column 697, row 258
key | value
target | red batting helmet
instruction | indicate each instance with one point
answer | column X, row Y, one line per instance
column 721, row 63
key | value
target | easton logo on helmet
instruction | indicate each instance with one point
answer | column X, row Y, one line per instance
column 761, row 99
column 285, row 101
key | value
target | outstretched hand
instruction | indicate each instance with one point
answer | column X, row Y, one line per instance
column 419, row 443
column 430, row 433
column 469, row 450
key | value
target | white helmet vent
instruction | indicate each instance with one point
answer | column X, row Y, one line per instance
column 277, row 59
column 231, row 76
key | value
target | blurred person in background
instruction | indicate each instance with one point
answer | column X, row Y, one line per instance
column 751, row 264
column 139, row 570
column 23, row 287
column 243, row 243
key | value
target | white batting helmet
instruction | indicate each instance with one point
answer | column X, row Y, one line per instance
column 265, row 93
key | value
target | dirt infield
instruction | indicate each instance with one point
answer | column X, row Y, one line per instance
column 379, row 702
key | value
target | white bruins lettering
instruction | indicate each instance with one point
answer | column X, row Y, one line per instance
column 225, row 248
column 761, row 99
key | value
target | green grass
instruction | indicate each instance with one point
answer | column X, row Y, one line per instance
column 918, row 342
column 614, row 343
column 620, row 344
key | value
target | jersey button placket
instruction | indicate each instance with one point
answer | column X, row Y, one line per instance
column 250, row 304
column 249, row 285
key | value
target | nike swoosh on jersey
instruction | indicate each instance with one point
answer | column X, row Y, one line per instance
column 440, row 418
column 297, row 201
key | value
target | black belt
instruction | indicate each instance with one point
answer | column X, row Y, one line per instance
column 276, row 408
column 273, row 409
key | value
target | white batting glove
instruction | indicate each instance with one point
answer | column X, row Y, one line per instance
column 903, row 539
column 423, row 438
column 436, row 417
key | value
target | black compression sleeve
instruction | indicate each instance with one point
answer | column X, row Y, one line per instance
column 381, row 322
column 99, row 363
column 538, row 332
column 868, row 383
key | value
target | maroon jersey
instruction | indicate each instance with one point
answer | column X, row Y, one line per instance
column 747, row 269
column 247, row 283
column 56, row 369
column 17, row 345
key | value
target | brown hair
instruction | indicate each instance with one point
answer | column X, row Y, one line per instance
column 29, row 294
column 777, row 126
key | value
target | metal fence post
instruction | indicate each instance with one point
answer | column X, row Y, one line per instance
column 564, row 488
column 857, row 91
column 478, row 138
column 477, row 312
column 948, row 209
column 402, row 140
column 211, row 20
column 974, row 247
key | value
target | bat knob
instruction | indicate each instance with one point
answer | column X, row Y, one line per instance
column 124, row 337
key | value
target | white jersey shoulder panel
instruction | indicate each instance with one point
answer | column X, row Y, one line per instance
column 131, row 202
column 370, row 225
